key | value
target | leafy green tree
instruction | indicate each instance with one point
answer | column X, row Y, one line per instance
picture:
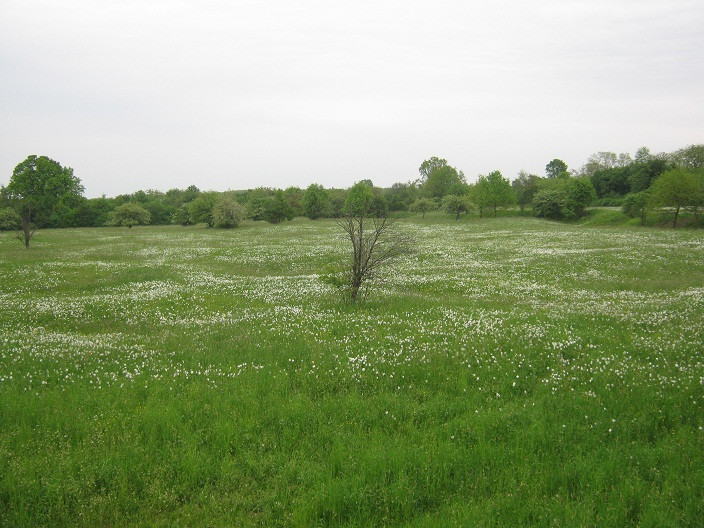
column 227, row 212
column 278, row 209
column 429, row 166
column 549, row 203
column 130, row 214
column 442, row 180
column 423, row 205
column 495, row 191
column 456, row 205
column 645, row 171
column 181, row 216
column 579, row 193
column 294, row 197
column 524, row 187
column 400, row 196
column 676, row 188
column 9, row 219
column 360, row 200
column 257, row 202
column 101, row 209
column 201, row 208
column 36, row 187
column 555, row 168
column 691, row 157
column 636, row 205
column 316, row 202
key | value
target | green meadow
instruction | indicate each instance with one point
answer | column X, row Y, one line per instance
column 509, row 372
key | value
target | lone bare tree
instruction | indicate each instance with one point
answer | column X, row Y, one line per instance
column 374, row 242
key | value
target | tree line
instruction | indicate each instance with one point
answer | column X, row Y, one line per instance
column 43, row 193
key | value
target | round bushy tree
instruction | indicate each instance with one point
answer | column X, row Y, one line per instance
column 9, row 219
column 130, row 214
column 549, row 204
column 456, row 205
column 227, row 212
column 579, row 193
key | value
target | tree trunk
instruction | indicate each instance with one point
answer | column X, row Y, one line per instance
column 677, row 211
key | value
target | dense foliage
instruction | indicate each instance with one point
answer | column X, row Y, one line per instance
column 42, row 193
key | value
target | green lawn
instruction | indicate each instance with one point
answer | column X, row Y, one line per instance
column 511, row 372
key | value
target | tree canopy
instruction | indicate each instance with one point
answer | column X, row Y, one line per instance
column 555, row 167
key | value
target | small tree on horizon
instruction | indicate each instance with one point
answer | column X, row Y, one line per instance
column 457, row 205
column 130, row 214
column 675, row 188
column 422, row 205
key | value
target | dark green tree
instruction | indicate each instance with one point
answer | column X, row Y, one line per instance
column 200, row 209
column 423, row 205
column 316, row 202
column 525, row 186
column 494, row 191
column 36, row 188
column 676, row 188
column 442, row 180
column 555, row 168
column 278, row 209
column 579, row 193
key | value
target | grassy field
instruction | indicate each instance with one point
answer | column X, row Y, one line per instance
column 512, row 372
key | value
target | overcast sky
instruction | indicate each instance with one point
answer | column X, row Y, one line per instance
column 239, row 94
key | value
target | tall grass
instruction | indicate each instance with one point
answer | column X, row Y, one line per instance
column 513, row 372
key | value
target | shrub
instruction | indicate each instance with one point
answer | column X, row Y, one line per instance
column 227, row 212
column 579, row 193
column 130, row 214
column 549, row 204
column 9, row 219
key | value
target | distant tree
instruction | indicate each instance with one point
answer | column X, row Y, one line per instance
column 479, row 193
column 200, row 209
column 257, row 202
column 400, row 196
column 601, row 161
column 130, row 214
column 423, row 205
column 494, row 191
column 227, row 212
column 524, row 187
column 374, row 244
column 676, row 188
column 644, row 173
column 696, row 204
column 555, row 167
column 442, row 180
column 579, row 193
column 316, row 202
column 36, row 187
column 643, row 155
column 549, row 203
column 429, row 166
column 294, row 197
column 456, row 205
column 182, row 216
column 278, row 209
column 160, row 212
column 691, row 157
column 9, row 219
column 101, row 209
column 612, row 182
column 636, row 205
column 337, row 202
